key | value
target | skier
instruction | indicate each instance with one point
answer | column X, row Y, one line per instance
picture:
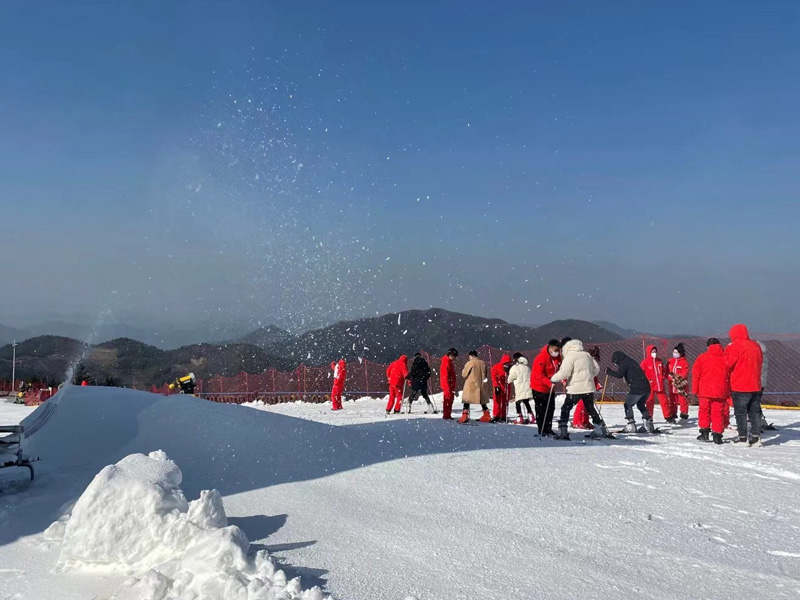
column 475, row 374
column 710, row 383
column 418, row 378
column 580, row 419
column 520, row 375
column 447, row 379
column 678, row 374
column 544, row 367
column 500, row 396
column 654, row 368
column 339, row 376
column 396, row 374
column 745, row 360
column 638, row 390
column 579, row 369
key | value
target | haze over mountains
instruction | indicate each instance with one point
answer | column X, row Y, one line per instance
column 379, row 339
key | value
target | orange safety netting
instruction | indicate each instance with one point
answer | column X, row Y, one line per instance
column 368, row 378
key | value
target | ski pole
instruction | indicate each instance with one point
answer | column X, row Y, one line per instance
column 603, row 396
column 547, row 409
column 433, row 402
column 403, row 394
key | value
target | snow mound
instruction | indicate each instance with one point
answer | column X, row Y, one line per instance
column 133, row 518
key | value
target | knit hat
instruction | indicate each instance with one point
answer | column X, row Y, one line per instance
column 680, row 348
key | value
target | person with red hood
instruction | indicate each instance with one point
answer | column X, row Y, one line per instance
column 499, row 375
column 655, row 370
column 544, row 367
column 448, row 382
column 396, row 374
column 339, row 376
column 711, row 386
column 745, row 361
column 678, row 375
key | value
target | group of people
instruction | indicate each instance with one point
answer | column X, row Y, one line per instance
column 720, row 377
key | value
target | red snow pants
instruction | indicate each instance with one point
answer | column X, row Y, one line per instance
column 581, row 418
column 500, row 405
column 336, row 397
column 713, row 414
column 447, row 404
column 682, row 402
column 395, row 397
column 667, row 406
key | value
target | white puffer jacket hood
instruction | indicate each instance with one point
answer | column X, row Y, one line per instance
column 578, row 368
column 520, row 376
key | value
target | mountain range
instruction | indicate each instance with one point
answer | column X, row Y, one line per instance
column 379, row 339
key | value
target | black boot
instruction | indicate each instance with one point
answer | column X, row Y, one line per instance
column 684, row 416
column 703, row 437
column 717, row 438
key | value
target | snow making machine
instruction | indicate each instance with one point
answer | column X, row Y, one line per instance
column 12, row 438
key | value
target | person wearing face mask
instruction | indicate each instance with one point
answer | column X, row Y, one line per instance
column 678, row 376
column 544, row 367
column 655, row 371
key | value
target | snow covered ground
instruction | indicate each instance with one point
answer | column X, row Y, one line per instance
column 370, row 507
column 11, row 414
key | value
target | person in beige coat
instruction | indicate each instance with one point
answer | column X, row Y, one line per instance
column 475, row 374
column 579, row 369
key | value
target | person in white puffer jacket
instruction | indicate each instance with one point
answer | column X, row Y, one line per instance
column 579, row 370
column 520, row 376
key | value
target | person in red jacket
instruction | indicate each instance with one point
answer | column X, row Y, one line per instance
column 710, row 385
column 655, row 370
column 339, row 376
column 679, row 373
column 544, row 367
column 396, row 374
column 448, row 382
column 499, row 384
column 745, row 361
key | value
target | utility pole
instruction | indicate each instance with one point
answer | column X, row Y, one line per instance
column 13, row 365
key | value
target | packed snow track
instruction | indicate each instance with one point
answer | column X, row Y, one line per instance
column 371, row 508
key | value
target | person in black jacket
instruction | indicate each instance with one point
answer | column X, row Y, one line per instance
column 418, row 378
column 632, row 373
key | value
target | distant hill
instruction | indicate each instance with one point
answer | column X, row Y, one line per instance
column 9, row 334
column 162, row 336
column 268, row 337
column 132, row 363
column 384, row 338
column 629, row 333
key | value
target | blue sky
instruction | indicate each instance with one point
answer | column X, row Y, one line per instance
column 261, row 161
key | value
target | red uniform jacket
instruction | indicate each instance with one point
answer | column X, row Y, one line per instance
column 710, row 374
column 499, row 374
column 678, row 366
column 339, row 373
column 654, row 370
column 745, row 360
column 447, row 375
column 544, row 367
column 397, row 371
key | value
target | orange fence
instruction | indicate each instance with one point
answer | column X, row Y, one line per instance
column 368, row 378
